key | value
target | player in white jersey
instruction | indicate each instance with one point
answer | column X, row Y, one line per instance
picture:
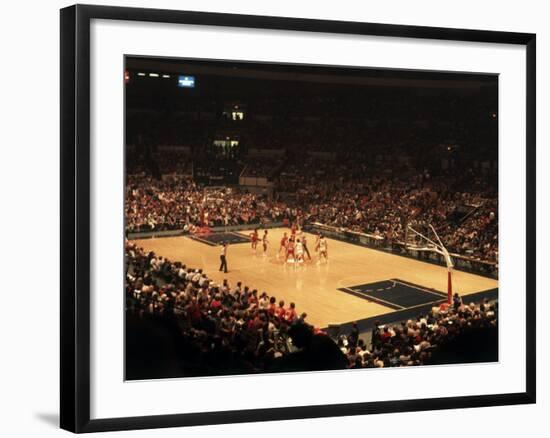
column 317, row 237
column 299, row 251
column 265, row 242
column 322, row 247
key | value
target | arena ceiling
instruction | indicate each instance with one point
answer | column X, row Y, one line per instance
column 315, row 74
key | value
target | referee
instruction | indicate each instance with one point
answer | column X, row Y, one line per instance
column 223, row 260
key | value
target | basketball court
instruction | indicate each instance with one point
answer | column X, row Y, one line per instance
column 356, row 282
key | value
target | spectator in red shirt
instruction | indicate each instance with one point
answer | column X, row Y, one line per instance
column 291, row 314
column 281, row 311
column 385, row 335
column 272, row 306
column 216, row 303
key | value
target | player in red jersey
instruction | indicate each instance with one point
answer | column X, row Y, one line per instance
column 290, row 250
column 254, row 239
column 293, row 229
column 282, row 248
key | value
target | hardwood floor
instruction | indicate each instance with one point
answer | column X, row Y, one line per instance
column 314, row 286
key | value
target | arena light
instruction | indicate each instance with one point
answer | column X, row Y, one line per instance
column 153, row 75
column 166, row 76
column 141, row 74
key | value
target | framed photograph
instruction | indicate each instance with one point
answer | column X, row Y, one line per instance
column 268, row 218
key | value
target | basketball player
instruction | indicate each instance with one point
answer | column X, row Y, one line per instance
column 317, row 238
column 293, row 229
column 265, row 242
column 323, row 248
column 299, row 251
column 282, row 248
column 290, row 250
column 254, row 239
column 304, row 244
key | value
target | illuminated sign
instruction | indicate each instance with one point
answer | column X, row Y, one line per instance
column 186, row 81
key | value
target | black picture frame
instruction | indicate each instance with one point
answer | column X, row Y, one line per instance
column 75, row 217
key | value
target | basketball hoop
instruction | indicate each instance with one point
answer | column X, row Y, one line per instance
column 428, row 245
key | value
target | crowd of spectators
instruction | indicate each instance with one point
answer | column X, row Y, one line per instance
column 229, row 328
column 173, row 162
column 180, row 203
column 166, row 128
column 352, row 163
column 262, row 166
column 345, row 195
column 349, row 196
column 415, row 341
column 233, row 328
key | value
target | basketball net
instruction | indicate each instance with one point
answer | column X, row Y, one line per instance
column 427, row 244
